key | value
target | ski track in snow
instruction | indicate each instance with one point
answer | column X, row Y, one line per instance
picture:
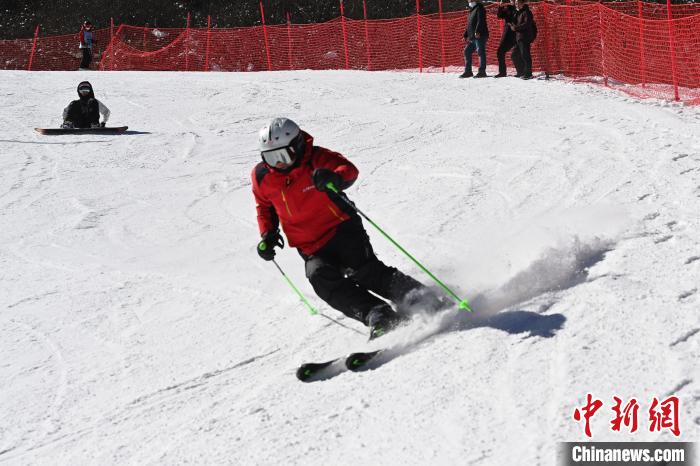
column 139, row 326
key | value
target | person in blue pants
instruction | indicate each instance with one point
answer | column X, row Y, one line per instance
column 476, row 35
column 86, row 42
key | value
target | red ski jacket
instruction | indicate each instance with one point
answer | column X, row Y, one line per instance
column 309, row 217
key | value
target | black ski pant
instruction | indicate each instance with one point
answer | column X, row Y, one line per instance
column 83, row 113
column 345, row 272
column 507, row 43
column 522, row 58
column 87, row 58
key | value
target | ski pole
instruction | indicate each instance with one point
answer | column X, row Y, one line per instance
column 463, row 304
column 312, row 311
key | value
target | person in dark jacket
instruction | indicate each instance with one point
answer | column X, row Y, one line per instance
column 476, row 35
column 290, row 186
column 524, row 28
column 85, row 112
column 506, row 12
column 86, row 42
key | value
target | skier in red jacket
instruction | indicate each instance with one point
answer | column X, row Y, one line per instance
column 290, row 190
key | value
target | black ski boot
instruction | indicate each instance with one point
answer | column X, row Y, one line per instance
column 381, row 320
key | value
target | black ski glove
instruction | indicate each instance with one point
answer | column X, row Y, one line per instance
column 323, row 176
column 266, row 246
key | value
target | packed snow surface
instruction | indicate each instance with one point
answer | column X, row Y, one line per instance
column 139, row 326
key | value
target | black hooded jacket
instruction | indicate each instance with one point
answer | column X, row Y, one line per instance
column 83, row 103
column 477, row 23
column 524, row 25
column 507, row 13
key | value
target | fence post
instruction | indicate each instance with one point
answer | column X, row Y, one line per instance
column 672, row 40
column 145, row 31
column 267, row 45
column 206, row 55
column 570, row 39
column 420, row 47
column 602, row 43
column 289, row 41
column 31, row 55
column 547, row 51
column 187, row 44
column 111, row 41
column 367, row 44
column 642, row 58
column 345, row 35
column 442, row 36
column 111, row 46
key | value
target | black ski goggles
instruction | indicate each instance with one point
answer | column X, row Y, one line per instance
column 275, row 156
column 84, row 90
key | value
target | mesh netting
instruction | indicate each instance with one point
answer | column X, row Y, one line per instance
column 631, row 46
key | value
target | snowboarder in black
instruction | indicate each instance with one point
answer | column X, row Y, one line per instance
column 85, row 112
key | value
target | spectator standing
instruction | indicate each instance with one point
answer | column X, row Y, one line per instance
column 525, row 33
column 476, row 35
column 506, row 12
column 86, row 42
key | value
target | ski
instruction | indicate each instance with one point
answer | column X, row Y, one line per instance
column 357, row 361
column 311, row 370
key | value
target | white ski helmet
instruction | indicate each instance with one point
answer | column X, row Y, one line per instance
column 278, row 133
column 280, row 142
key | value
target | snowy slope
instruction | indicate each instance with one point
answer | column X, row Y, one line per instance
column 138, row 326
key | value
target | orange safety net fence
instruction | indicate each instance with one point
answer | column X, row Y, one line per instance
column 631, row 46
column 53, row 53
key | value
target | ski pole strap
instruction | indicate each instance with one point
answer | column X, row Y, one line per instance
column 312, row 311
column 463, row 304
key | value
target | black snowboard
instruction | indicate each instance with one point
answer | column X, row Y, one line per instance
column 101, row 130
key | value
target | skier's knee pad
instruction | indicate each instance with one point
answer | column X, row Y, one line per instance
column 313, row 266
column 323, row 277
